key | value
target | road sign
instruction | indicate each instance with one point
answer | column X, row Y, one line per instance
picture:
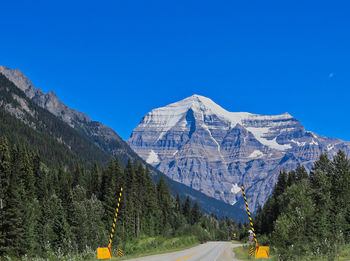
column 120, row 252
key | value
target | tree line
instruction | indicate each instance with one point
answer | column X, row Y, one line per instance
column 308, row 214
column 55, row 209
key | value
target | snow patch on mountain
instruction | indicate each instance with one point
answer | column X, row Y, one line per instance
column 152, row 158
column 313, row 142
column 260, row 134
column 300, row 144
column 330, row 147
column 235, row 188
column 256, row 154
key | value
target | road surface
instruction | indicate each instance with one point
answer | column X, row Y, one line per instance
column 211, row 251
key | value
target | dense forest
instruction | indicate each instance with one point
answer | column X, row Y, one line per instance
column 47, row 210
column 308, row 214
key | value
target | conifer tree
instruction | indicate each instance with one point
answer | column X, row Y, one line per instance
column 78, row 176
column 165, row 204
column 301, row 173
column 13, row 209
column 178, row 204
column 4, row 186
column 40, row 178
column 292, row 178
column 195, row 213
column 151, row 208
column 56, row 230
column 187, row 209
column 94, row 181
column 108, row 194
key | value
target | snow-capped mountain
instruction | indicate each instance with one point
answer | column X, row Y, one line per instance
column 202, row 145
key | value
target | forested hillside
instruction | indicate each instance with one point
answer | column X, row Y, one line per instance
column 23, row 122
column 308, row 214
column 52, row 211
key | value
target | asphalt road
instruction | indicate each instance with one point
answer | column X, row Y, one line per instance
column 211, row 251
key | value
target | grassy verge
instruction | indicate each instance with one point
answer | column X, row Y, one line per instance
column 242, row 253
column 154, row 246
column 136, row 248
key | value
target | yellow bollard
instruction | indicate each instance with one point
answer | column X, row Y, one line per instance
column 262, row 252
column 104, row 253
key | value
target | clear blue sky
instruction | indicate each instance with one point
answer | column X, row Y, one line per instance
column 116, row 60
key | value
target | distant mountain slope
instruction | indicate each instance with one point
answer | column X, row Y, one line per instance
column 42, row 119
column 103, row 136
column 200, row 144
column 23, row 122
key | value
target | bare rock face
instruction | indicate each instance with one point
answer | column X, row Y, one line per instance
column 200, row 144
column 104, row 137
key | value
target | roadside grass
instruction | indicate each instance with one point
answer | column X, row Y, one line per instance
column 236, row 242
column 154, row 246
column 344, row 253
column 136, row 248
column 242, row 253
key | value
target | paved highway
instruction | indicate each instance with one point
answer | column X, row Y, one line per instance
column 211, row 251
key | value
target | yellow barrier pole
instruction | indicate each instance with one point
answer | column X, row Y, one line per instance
column 250, row 218
column 105, row 252
column 115, row 218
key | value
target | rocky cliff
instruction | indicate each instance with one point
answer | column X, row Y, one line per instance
column 200, row 144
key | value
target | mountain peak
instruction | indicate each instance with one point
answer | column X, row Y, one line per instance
column 169, row 115
column 197, row 142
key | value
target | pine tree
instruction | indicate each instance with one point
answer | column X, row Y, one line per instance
column 340, row 194
column 195, row 213
column 94, row 181
column 292, row 229
column 4, row 186
column 78, row 176
column 31, row 207
column 178, row 204
column 165, row 204
column 118, row 175
column 40, row 178
column 151, row 206
column 292, row 178
column 140, row 197
column 57, row 231
column 187, row 209
column 281, row 184
column 64, row 192
column 301, row 173
column 13, row 209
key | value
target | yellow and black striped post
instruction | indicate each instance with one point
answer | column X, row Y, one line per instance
column 115, row 218
column 250, row 218
column 251, row 250
column 120, row 252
